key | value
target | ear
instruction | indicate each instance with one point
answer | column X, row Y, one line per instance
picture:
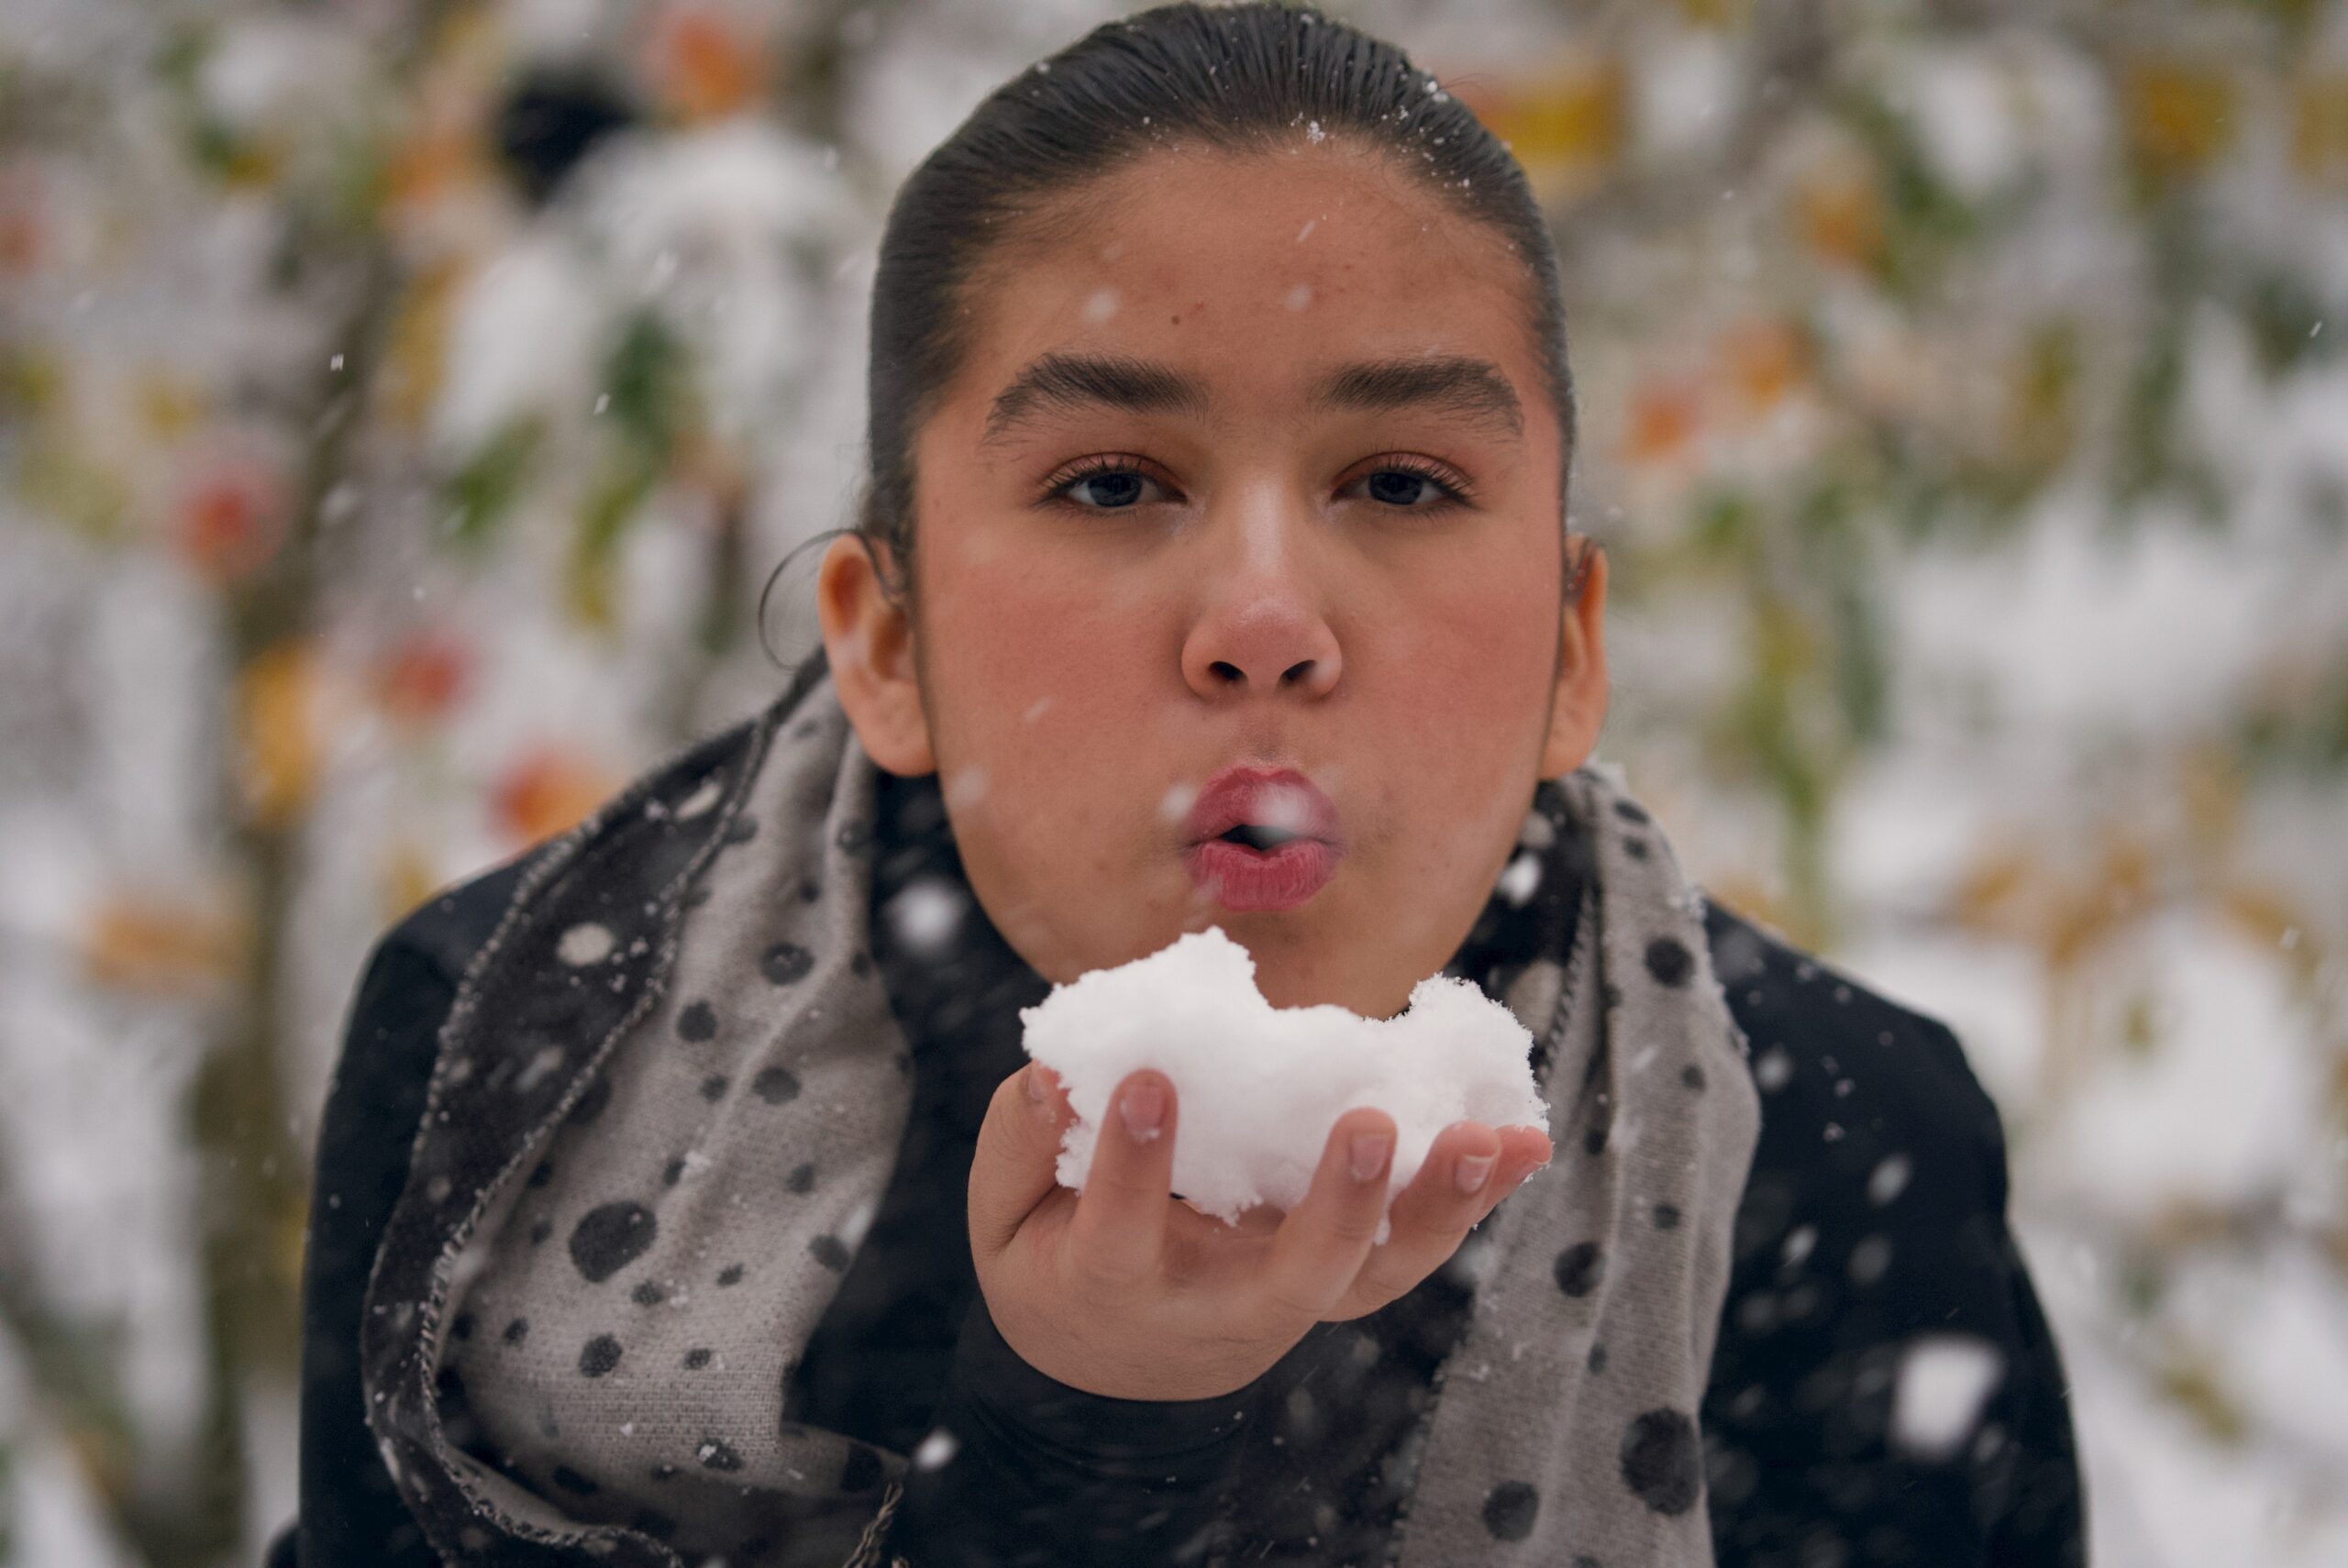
column 1578, row 705
column 868, row 640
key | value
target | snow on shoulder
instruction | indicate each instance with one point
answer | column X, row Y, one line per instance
column 1257, row 1087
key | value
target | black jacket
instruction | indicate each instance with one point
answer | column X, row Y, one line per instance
column 1874, row 1214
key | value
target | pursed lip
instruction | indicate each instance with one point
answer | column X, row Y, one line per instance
column 1269, row 797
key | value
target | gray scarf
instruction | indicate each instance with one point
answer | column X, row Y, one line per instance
column 668, row 1101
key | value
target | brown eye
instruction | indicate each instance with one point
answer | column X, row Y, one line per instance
column 1409, row 488
column 1104, row 485
column 1399, row 487
column 1108, row 491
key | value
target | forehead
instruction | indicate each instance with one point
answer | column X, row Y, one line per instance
column 1256, row 273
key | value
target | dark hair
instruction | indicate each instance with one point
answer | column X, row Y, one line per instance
column 1239, row 78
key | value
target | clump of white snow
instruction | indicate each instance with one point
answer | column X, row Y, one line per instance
column 1944, row 1382
column 1258, row 1087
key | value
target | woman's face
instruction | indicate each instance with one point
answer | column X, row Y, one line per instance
column 1249, row 470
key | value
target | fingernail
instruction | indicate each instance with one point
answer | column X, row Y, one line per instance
column 1370, row 1150
column 1036, row 1085
column 1471, row 1172
column 1144, row 1108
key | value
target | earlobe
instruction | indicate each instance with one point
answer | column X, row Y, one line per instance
column 869, row 642
column 1578, row 705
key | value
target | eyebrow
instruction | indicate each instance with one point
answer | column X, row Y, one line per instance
column 1473, row 389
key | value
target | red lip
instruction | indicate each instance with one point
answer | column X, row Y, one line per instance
column 1242, row 878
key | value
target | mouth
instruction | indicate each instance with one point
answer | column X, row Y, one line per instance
column 1260, row 838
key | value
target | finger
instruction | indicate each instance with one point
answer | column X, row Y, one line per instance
column 1012, row 1168
column 1523, row 1149
column 1432, row 1216
column 1319, row 1248
column 1120, row 1224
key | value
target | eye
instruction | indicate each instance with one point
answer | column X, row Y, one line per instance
column 1409, row 484
column 1102, row 485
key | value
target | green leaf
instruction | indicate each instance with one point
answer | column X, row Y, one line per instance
column 648, row 379
column 480, row 494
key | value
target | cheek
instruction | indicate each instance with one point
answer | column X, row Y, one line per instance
column 1467, row 660
column 1041, row 680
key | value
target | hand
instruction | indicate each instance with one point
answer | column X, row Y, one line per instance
column 1128, row 1292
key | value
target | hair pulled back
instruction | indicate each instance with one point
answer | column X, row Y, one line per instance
column 1241, row 78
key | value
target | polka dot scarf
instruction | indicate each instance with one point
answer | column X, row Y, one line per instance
column 668, row 1101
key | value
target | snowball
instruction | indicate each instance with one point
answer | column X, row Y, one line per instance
column 1258, row 1087
column 1944, row 1381
column 927, row 914
column 584, row 943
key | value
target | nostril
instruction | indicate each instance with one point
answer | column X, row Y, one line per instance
column 1296, row 672
column 1226, row 671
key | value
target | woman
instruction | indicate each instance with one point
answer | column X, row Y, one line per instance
column 683, row 1194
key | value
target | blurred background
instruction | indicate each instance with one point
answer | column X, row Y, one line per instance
column 403, row 403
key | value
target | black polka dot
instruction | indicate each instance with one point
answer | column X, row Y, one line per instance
column 598, row 1356
column 1594, row 1141
column 570, row 1480
column 591, row 1104
column 801, row 1178
column 610, row 1237
column 1660, row 1462
column 656, row 1524
column 696, row 896
column 541, row 1230
column 1669, row 961
column 862, row 1471
column 697, row 1358
column 1636, row 848
column 697, row 1023
column 664, row 1473
column 673, row 1172
column 518, row 1331
column 713, row 1086
column 715, row 1454
column 1666, row 1217
column 861, row 963
column 651, row 1292
column 462, row 1328
column 1509, row 1510
column 742, row 829
column 1579, row 1268
column 829, row 1251
column 775, row 1085
column 732, row 1274
column 1692, row 1076
column 1584, row 1560
column 1611, row 995
column 540, row 1174
column 809, row 893
column 786, row 963
column 1631, row 811
column 804, row 729
column 1598, row 1356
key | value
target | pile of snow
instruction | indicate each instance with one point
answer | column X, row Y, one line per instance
column 1258, row 1087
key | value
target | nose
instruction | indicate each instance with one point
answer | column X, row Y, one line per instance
column 1261, row 625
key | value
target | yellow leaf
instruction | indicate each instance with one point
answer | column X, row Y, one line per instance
column 279, row 748
column 409, row 876
column 2319, row 127
column 415, row 352
column 1838, row 210
column 169, row 405
column 1565, row 125
column 2179, row 116
column 141, row 943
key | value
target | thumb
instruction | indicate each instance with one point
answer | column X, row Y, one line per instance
column 1014, row 1166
